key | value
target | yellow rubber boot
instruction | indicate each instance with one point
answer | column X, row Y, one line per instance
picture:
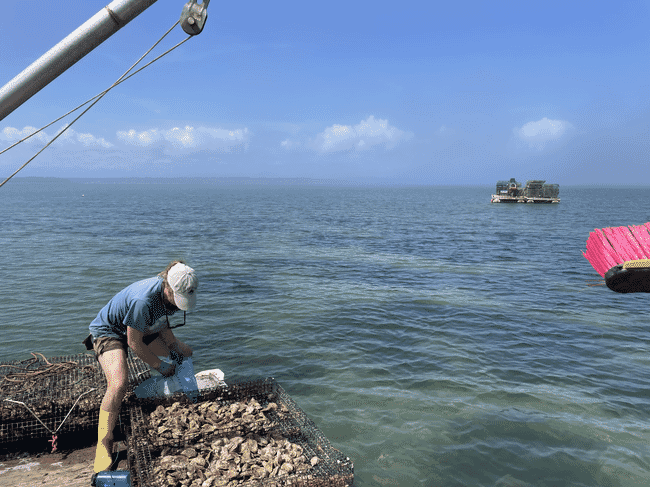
column 104, row 457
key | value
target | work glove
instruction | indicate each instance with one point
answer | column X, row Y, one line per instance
column 176, row 357
column 166, row 369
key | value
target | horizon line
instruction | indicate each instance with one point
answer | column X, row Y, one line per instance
column 305, row 181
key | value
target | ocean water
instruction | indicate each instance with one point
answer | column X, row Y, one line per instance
column 435, row 338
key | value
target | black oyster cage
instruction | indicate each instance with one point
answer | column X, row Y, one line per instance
column 41, row 396
column 288, row 421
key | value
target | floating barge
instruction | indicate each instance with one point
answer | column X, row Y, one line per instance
column 535, row 191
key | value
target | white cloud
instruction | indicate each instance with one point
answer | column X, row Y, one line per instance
column 187, row 138
column 68, row 139
column 289, row 144
column 72, row 137
column 11, row 134
column 366, row 134
column 141, row 139
column 542, row 132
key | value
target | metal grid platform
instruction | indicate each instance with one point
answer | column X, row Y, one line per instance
column 43, row 395
column 332, row 469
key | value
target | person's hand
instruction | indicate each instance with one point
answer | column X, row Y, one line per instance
column 186, row 350
column 176, row 357
column 166, row 369
column 182, row 349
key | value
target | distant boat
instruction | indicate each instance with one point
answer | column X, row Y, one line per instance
column 535, row 191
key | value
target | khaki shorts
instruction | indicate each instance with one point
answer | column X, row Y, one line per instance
column 106, row 344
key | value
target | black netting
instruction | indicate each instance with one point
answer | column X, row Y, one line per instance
column 534, row 189
column 551, row 190
column 284, row 422
column 40, row 395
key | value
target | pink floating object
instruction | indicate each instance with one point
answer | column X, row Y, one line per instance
column 612, row 246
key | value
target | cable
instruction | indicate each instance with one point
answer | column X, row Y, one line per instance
column 91, row 99
column 64, row 419
column 96, row 99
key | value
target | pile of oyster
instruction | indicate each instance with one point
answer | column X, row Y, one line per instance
column 211, row 444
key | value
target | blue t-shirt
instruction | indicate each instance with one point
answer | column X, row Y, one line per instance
column 139, row 306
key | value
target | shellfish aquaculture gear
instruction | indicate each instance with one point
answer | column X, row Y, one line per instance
column 252, row 433
column 621, row 255
column 54, row 436
column 36, row 405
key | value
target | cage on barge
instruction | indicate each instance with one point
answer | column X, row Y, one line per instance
column 535, row 191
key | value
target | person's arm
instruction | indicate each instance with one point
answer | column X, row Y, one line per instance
column 136, row 321
column 134, row 339
column 174, row 343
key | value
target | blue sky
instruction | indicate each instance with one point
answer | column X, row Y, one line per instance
column 464, row 92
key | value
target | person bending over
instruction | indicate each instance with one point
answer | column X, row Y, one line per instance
column 137, row 317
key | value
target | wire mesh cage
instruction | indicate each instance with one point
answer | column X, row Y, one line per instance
column 551, row 190
column 534, row 189
column 41, row 396
column 511, row 188
column 251, row 433
column 502, row 186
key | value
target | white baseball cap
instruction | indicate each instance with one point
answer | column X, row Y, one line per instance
column 183, row 282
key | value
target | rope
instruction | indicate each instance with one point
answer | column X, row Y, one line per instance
column 595, row 283
column 45, row 370
column 96, row 99
column 48, row 369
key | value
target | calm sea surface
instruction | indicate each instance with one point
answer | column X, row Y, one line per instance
column 435, row 338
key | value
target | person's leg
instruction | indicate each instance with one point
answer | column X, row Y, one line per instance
column 115, row 369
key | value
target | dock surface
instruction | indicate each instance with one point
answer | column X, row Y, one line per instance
column 69, row 468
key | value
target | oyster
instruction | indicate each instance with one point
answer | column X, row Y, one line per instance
column 212, row 444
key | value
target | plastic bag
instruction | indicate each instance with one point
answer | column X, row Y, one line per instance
column 186, row 379
column 182, row 380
